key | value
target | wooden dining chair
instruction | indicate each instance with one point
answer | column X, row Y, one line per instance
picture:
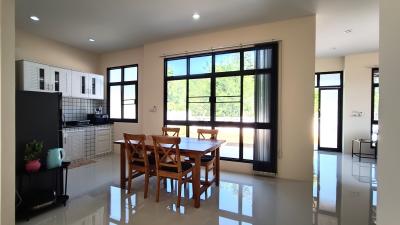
column 169, row 164
column 207, row 161
column 171, row 131
column 139, row 162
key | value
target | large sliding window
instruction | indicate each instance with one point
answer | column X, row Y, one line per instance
column 233, row 91
column 122, row 90
column 375, row 106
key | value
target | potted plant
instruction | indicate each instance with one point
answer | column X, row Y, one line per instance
column 33, row 151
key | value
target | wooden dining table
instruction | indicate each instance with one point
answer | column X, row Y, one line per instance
column 190, row 147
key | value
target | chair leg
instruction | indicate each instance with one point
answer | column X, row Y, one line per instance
column 146, row 184
column 129, row 180
column 158, row 189
column 178, row 204
column 185, row 183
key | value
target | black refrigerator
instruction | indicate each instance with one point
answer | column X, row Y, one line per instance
column 38, row 117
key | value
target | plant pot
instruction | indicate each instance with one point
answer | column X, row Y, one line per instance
column 32, row 166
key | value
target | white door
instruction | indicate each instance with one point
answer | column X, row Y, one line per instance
column 102, row 140
column 79, row 85
column 96, row 86
column 60, row 80
column 36, row 77
column 73, row 144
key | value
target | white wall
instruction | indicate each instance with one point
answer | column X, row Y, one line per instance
column 329, row 64
column 7, row 112
column 357, row 97
column 389, row 153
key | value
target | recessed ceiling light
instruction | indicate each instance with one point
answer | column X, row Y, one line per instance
column 91, row 40
column 34, row 18
column 348, row 31
column 196, row 16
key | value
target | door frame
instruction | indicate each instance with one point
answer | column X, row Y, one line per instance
column 340, row 110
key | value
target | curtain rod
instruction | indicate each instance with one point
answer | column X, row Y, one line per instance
column 212, row 49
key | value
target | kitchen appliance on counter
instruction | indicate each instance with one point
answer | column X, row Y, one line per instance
column 97, row 119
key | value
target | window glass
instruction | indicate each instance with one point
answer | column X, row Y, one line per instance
column 248, row 98
column 115, row 75
column 329, row 79
column 227, row 99
column 231, row 147
column 376, row 103
column 227, row 62
column 249, row 60
column 193, row 130
column 199, row 99
column 200, row 65
column 129, row 101
column 130, row 73
column 176, row 67
column 176, row 103
column 115, row 101
column 248, row 143
column 182, row 130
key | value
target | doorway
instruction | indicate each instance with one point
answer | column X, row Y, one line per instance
column 328, row 98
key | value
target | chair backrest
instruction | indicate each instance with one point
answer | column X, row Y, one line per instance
column 171, row 131
column 202, row 132
column 135, row 148
column 167, row 153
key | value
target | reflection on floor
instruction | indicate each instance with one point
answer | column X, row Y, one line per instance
column 339, row 198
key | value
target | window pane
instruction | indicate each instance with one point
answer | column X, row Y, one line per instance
column 227, row 62
column 248, row 143
column 130, row 73
column 375, row 131
column 199, row 65
column 248, row 98
column 182, row 130
column 249, row 60
column 115, row 75
column 199, row 110
column 376, row 103
column 115, row 102
column 130, row 102
column 329, row 79
column 193, row 130
column 376, row 76
column 176, row 103
column 227, row 99
column 176, row 67
column 231, row 136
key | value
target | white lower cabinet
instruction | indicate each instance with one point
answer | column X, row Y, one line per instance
column 103, row 139
column 74, row 144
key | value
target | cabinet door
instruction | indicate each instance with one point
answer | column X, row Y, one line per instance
column 102, row 140
column 79, row 84
column 74, row 144
column 60, row 81
column 36, row 77
column 96, row 89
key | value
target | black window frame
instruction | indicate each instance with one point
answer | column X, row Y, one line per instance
column 272, row 125
column 373, row 86
column 123, row 83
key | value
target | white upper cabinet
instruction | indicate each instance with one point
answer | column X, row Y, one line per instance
column 38, row 77
column 60, row 81
column 79, row 84
column 96, row 86
column 33, row 76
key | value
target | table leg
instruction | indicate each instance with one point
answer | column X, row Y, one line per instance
column 122, row 167
column 196, row 181
column 352, row 148
column 217, row 165
column 359, row 158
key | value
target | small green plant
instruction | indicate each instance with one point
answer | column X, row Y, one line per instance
column 33, row 150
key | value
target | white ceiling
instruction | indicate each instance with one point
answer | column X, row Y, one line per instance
column 119, row 24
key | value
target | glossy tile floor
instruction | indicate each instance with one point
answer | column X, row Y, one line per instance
column 344, row 192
